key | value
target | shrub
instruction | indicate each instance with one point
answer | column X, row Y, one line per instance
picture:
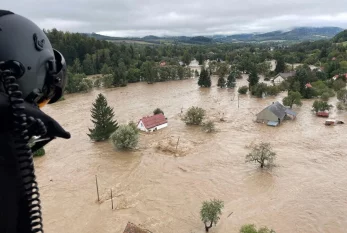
column 273, row 90
column 243, row 90
column 125, row 137
column 97, row 83
column 208, row 127
column 325, row 96
column 267, row 79
column 194, row 116
column 133, row 125
column 250, row 228
column 340, row 106
column 85, row 85
column 319, row 105
column 39, row 152
column 158, row 111
column 107, row 81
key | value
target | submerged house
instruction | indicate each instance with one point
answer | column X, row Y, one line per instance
column 274, row 114
column 152, row 123
column 132, row 228
column 282, row 77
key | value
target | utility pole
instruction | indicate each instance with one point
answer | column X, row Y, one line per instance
column 238, row 100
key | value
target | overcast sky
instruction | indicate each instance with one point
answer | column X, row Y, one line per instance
column 179, row 17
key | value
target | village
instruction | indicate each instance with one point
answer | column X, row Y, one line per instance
column 163, row 134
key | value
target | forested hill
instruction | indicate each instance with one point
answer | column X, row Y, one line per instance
column 122, row 63
column 341, row 37
column 294, row 35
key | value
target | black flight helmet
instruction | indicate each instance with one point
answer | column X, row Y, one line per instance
column 26, row 51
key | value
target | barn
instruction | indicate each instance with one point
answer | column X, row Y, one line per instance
column 274, row 114
column 152, row 123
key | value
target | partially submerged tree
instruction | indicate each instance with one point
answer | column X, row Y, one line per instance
column 158, row 111
column 262, row 154
column 223, row 69
column 194, row 116
column 125, row 137
column 231, row 83
column 342, row 96
column 294, row 97
column 281, row 65
column 204, row 79
column 221, row 82
column 251, row 228
column 208, row 127
column 319, row 105
column 102, row 115
column 253, row 79
column 210, row 212
column 243, row 90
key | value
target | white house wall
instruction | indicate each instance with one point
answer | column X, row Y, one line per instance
column 278, row 80
column 159, row 127
column 141, row 127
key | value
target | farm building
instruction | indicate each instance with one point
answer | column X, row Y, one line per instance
column 274, row 114
column 132, row 228
column 282, row 77
column 152, row 123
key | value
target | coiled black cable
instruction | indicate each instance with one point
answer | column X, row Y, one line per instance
column 25, row 159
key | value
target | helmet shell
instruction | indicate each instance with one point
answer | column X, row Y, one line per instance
column 23, row 41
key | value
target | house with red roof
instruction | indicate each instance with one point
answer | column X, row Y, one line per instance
column 336, row 76
column 152, row 123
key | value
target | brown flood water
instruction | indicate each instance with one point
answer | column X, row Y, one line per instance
column 306, row 192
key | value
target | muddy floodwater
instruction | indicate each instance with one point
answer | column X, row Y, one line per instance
column 162, row 189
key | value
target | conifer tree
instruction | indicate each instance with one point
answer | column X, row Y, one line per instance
column 221, row 82
column 231, row 82
column 102, row 115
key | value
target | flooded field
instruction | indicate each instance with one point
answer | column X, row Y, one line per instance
column 306, row 192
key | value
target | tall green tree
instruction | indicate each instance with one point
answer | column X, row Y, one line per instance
column 294, row 97
column 88, row 65
column 200, row 59
column 253, row 79
column 223, row 69
column 281, row 65
column 210, row 212
column 205, row 79
column 148, row 72
column 231, row 82
column 76, row 68
column 187, row 58
column 342, row 95
column 102, row 118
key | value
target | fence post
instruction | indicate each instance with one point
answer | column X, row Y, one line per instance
column 97, row 187
column 111, row 198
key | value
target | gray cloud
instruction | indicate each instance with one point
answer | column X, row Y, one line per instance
column 179, row 17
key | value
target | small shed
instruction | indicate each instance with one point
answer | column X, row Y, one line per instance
column 152, row 123
column 274, row 114
column 132, row 228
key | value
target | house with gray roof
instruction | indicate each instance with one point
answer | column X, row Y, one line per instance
column 274, row 114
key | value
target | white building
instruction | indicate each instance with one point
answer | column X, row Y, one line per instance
column 152, row 123
column 282, row 77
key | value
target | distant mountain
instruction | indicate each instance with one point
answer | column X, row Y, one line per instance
column 296, row 34
column 341, row 37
